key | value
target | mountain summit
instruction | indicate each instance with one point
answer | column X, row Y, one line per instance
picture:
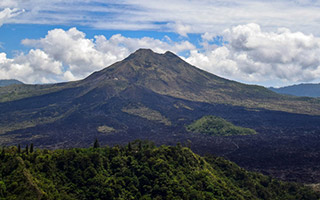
column 168, row 74
column 156, row 96
column 162, row 73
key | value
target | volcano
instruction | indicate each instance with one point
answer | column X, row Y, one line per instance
column 155, row 96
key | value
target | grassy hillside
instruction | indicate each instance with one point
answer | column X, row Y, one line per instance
column 16, row 92
column 212, row 125
column 137, row 171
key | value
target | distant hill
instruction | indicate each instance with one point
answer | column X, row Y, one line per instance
column 139, row 170
column 9, row 82
column 305, row 89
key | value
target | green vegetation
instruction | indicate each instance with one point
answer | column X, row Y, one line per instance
column 315, row 187
column 181, row 105
column 212, row 125
column 147, row 113
column 16, row 92
column 139, row 170
column 96, row 144
column 106, row 129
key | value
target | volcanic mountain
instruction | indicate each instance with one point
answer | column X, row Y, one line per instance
column 155, row 96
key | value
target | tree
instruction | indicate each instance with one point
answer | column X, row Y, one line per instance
column 140, row 145
column 2, row 189
column 31, row 148
column 19, row 149
column 189, row 143
column 179, row 146
column 129, row 147
column 3, row 153
column 27, row 149
column 96, row 144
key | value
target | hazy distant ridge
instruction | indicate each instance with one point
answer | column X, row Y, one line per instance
column 9, row 82
column 305, row 89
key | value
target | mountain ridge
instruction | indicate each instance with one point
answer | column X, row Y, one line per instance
column 156, row 72
column 6, row 82
column 303, row 90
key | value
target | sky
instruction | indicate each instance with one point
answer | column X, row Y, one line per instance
column 269, row 43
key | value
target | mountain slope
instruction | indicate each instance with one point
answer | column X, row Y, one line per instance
column 136, row 171
column 9, row 82
column 306, row 90
column 154, row 96
column 167, row 74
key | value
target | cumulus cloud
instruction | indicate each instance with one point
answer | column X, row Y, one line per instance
column 72, row 49
column 69, row 55
column 256, row 56
column 36, row 66
column 247, row 54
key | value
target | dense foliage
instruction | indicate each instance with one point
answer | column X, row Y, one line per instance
column 212, row 125
column 139, row 170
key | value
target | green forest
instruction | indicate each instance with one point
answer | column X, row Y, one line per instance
column 139, row 170
column 212, row 125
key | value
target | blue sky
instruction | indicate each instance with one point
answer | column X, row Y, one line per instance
column 13, row 34
column 270, row 43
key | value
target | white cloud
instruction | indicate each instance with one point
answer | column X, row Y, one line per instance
column 257, row 56
column 7, row 13
column 123, row 46
column 180, row 28
column 8, row 4
column 181, row 16
column 250, row 55
column 71, row 48
column 208, row 36
column 36, row 66
column 68, row 55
